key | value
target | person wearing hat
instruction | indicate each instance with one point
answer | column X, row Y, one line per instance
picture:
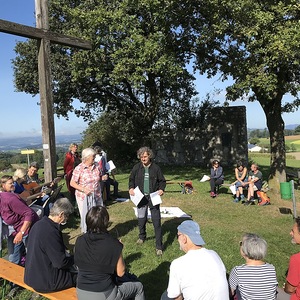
column 200, row 273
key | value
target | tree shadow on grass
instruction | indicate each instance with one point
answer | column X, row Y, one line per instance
column 169, row 230
column 156, row 281
column 122, row 229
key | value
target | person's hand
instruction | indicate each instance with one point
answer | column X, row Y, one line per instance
column 18, row 238
column 104, row 177
column 131, row 192
column 86, row 191
column 160, row 192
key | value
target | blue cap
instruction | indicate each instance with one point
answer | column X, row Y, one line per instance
column 192, row 230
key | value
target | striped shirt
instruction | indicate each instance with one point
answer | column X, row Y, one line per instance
column 254, row 282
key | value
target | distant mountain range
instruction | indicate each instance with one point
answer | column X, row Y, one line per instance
column 35, row 142
column 292, row 126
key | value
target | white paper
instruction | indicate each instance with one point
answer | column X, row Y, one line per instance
column 155, row 198
column 110, row 166
column 167, row 212
column 138, row 196
column 233, row 189
column 205, row 178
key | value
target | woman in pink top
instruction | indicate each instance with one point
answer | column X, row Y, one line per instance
column 86, row 180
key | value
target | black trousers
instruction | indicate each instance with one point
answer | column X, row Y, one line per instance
column 215, row 182
column 156, row 220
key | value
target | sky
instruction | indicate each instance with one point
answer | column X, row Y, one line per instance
column 20, row 114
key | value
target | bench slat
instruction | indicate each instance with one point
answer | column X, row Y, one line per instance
column 14, row 273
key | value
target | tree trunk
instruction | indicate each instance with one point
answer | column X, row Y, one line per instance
column 275, row 125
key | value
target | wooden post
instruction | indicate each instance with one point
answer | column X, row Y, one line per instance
column 46, row 100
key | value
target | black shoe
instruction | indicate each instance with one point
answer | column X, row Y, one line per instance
column 249, row 203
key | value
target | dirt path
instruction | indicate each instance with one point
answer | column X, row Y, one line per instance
column 296, row 154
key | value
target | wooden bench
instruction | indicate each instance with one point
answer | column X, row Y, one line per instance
column 15, row 273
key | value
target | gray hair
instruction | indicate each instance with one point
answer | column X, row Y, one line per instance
column 254, row 247
column 19, row 173
column 87, row 152
column 61, row 205
column 34, row 164
column 142, row 150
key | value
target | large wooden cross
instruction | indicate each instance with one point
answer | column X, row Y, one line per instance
column 42, row 34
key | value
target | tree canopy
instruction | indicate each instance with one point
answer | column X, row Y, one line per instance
column 138, row 70
column 138, row 65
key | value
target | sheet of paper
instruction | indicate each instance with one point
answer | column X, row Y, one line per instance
column 204, row 178
column 155, row 198
column 167, row 212
column 110, row 166
column 138, row 196
column 233, row 189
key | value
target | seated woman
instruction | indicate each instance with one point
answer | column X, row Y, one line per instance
column 15, row 212
column 216, row 177
column 255, row 279
column 254, row 182
column 241, row 179
column 96, row 270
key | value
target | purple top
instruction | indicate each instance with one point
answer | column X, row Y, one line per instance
column 14, row 211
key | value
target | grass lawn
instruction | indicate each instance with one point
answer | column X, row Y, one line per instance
column 222, row 225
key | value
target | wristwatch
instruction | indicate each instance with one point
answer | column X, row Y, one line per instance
column 23, row 232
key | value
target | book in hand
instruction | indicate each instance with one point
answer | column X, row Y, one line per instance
column 138, row 196
column 155, row 198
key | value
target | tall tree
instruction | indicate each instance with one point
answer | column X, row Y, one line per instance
column 257, row 44
column 137, row 66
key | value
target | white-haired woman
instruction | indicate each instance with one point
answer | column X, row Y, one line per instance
column 86, row 181
column 256, row 279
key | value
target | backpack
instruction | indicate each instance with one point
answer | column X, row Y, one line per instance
column 263, row 198
column 187, row 187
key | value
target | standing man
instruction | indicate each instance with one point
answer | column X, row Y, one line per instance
column 200, row 273
column 292, row 285
column 149, row 178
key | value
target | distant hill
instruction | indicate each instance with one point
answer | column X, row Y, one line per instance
column 291, row 126
column 35, row 142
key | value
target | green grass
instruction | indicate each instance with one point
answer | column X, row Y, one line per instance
column 263, row 159
column 222, row 225
column 289, row 141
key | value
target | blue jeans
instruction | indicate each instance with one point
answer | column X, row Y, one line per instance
column 15, row 251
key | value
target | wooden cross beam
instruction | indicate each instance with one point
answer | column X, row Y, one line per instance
column 44, row 37
column 40, row 33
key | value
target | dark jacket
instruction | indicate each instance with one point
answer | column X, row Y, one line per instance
column 157, row 180
column 47, row 265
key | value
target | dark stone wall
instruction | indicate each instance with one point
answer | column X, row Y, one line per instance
column 224, row 137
